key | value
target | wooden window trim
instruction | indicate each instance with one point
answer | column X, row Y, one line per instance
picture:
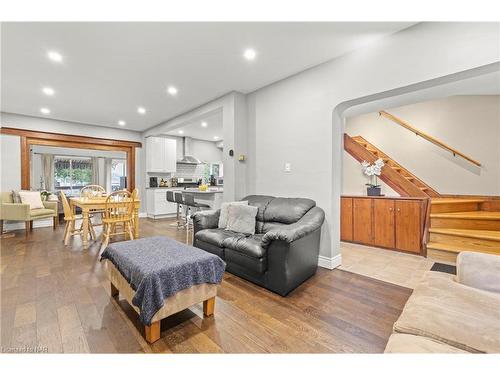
column 29, row 138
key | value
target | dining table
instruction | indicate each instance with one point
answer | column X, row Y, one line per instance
column 88, row 205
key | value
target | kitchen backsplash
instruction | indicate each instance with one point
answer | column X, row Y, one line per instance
column 195, row 171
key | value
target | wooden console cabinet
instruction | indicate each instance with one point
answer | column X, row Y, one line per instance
column 392, row 223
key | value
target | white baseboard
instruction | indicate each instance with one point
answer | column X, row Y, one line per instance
column 330, row 263
column 143, row 214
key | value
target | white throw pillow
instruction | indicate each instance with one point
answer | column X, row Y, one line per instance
column 33, row 198
column 223, row 212
column 241, row 218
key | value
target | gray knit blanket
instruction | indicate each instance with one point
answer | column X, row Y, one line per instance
column 159, row 267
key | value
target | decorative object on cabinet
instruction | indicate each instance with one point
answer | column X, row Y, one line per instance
column 392, row 223
column 373, row 171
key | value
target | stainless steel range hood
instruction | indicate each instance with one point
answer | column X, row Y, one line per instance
column 186, row 158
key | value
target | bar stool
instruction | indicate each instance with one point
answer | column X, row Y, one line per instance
column 179, row 199
column 171, row 199
column 191, row 203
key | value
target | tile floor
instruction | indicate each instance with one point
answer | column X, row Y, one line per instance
column 385, row 265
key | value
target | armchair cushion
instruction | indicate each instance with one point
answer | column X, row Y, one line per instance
column 37, row 213
column 478, row 270
column 250, row 246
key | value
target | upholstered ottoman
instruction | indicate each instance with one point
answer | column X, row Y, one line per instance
column 159, row 277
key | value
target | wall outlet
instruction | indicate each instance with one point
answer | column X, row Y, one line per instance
column 288, row 167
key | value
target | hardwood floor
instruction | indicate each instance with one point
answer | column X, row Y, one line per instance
column 57, row 298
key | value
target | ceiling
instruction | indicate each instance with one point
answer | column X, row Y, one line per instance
column 109, row 69
column 194, row 128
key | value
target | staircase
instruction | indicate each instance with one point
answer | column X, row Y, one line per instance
column 456, row 223
column 393, row 174
column 459, row 224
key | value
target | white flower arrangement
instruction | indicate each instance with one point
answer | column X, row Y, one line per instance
column 372, row 171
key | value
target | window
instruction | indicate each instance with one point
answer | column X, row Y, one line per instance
column 72, row 173
column 118, row 174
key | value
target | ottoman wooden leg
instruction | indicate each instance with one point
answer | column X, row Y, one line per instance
column 153, row 332
column 209, row 306
column 114, row 290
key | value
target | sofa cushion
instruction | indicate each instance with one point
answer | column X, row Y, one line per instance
column 211, row 248
column 250, row 246
column 37, row 212
column 287, row 210
column 215, row 236
column 250, row 263
column 266, row 227
column 241, row 218
column 401, row 343
column 259, row 201
column 455, row 314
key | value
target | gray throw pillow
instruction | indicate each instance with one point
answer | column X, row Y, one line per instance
column 15, row 197
column 241, row 218
column 223, row 212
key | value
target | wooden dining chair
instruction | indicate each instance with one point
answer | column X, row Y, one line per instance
column 70, row 219
column 118, row 212
column 94, row 191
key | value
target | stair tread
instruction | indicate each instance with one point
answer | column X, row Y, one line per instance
column 456, row 200
column 472, row 215
column 492, row 235
column 443, row 246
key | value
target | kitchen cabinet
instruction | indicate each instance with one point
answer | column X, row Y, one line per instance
column 157, row 204
column 161, row 155
column 391, row 223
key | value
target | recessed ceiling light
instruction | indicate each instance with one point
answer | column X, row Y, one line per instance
column 122, row 123
column 55, row 56
column 141, row 110
column 181, row 131
column 172, row 90
column 216, row 138
column 48, row 91
column 45, row 111
column 250, row 54
column 204, row 124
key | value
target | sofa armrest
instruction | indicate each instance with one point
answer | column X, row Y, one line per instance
column 310, row 222
column 478, row 270
column 15, row 211
column 51, row 206
column 208, row 219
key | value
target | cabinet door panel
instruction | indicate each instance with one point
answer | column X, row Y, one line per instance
column 408, row 226
column 346, row 219
column 362, row 219
column 383, row 217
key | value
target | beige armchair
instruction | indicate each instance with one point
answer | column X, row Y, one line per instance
column 21, row 212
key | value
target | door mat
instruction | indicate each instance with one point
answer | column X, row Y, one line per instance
column 446, row 268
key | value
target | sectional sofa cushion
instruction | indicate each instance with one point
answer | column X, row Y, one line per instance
column 401, row 343
column 224, row 210
column 33, row 198
column 241, row 218
column 250, row 246
column 444, row 310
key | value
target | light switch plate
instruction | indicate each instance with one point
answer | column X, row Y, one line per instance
column 288, row 167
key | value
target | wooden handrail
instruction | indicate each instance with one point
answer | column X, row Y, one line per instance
column 428, row 137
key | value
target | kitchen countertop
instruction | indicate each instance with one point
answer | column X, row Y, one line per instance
column 188, row 190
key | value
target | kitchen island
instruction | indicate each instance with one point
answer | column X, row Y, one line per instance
column 211, row 197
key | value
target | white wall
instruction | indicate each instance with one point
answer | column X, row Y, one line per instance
column 11, row 162
column 470, row 124
column 291, row 120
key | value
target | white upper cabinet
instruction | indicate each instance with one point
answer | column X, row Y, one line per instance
column 161, row 154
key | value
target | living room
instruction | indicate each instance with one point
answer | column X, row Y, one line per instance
column 167, row 197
